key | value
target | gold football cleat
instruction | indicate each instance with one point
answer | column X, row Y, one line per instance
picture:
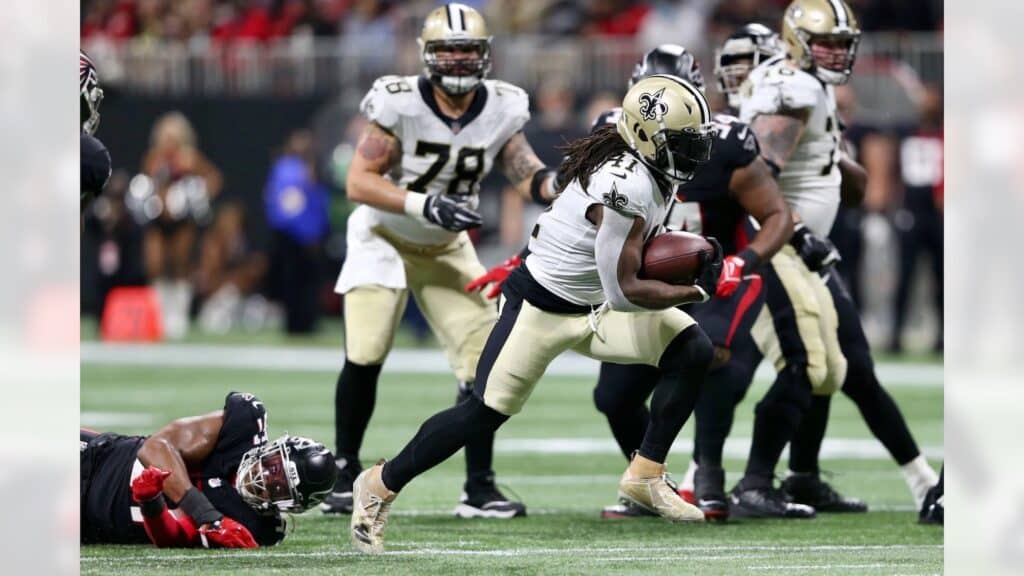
column 649, row 489
column 371, row 503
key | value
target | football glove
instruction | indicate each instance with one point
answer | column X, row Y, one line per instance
column 226, row 533
column 449, row 214
column 817, row 253
column 732, row 275
column 149, row 484
column 495, row 276
column 710, row 270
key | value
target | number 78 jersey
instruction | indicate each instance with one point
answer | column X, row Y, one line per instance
column 810, row 179
column 442, row 155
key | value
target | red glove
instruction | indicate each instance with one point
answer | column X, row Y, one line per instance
column 226, row 533
column 495, row 276
column 731, row 276
column 149, row 484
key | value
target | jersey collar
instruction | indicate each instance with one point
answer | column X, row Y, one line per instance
column 454, row 124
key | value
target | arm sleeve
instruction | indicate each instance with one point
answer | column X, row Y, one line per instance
column 165, row 530
column 611, row 237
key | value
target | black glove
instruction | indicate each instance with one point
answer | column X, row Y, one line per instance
column 710, row 270
column 449, row 214
column 817, row 253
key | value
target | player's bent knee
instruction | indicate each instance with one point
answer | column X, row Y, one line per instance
column 790, row 392
column 367, row 351
column 690, row 351
column 483, row 412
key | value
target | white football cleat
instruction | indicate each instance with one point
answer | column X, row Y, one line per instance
column 371, row 503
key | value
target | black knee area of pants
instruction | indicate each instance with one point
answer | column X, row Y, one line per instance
column 439, row 438
column 690, row 351
column 790, row 393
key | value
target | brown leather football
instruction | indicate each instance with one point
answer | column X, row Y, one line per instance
column 674, row 257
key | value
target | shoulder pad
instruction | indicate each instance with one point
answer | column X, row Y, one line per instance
column 606, row 117
column 387, row 99
column 245, row 419
column 778, row 88
column 624, row 185
column 736, row 142
column 513, row 100
column 95, row 165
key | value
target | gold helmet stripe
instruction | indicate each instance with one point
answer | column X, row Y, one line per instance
column 455, row 21
column 842, row 20
column 705, row 110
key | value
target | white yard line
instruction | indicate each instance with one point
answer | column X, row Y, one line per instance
column 737, row 552
column 290, row 358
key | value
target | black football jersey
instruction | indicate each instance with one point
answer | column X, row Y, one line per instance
column 707, row 206
column 95, row 167
column 109, row 462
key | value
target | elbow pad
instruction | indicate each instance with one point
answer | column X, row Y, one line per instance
column 611, row 237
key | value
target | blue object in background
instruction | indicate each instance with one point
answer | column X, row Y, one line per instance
column 296, row 204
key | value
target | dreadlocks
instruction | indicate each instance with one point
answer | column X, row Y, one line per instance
column 585, row 155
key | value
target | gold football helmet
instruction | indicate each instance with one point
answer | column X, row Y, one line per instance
column 667, row 121
column 456, row 48
column 821, row 36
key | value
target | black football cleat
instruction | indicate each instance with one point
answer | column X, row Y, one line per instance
column 765, row 502
column 484, row 500
column 709, row 493
column 339, row 501
column 625, row 511
column 811, row 490
column 933, row 509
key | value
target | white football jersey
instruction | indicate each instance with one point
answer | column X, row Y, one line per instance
column 562, row 244
column 441, row 155
column 810, row 180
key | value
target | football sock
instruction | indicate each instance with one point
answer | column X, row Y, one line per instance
column 621, row 395
column 714, row 414
column 439, row 438
column 920, row 478
column 479, row 449
column 878, row 408
column 354, row 399
column 776, row 419
column 806, row 443
column 683, row 367
column 691, row 471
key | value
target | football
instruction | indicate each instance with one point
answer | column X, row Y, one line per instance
column 674, row 257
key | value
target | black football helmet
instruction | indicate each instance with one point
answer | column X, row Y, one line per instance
column 743, row 51
column 90, row 93
column 291, row 473
column 670, row 59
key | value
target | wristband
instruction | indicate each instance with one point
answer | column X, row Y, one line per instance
column 414, row 204
column 198, row 508
column 750, row 259
column 153, row 507
column 537, row 182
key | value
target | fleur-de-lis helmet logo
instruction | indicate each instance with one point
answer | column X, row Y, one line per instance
column 651, row 106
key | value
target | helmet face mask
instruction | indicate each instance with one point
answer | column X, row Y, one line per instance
column 667, row 122
column 277, row 475
column 821, row 38
column 455, row 48
column 90, row 94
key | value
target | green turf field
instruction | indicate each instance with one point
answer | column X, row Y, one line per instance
column 557, row 455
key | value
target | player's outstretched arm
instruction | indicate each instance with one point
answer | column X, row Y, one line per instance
column 779, row 135
column 378, row 152
column 182, row 442
column 619, row 254
column 758, row 194
column 528, row 175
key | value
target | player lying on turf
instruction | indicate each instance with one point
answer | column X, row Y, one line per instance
column 430, row 141
column 736, row 183
column 579, row 290
column 205, row 481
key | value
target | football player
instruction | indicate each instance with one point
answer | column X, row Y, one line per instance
column 95, row 158
column 741, row 52
column 579, row 289
column 734, row 183
column 228, row 484
column 789, row 102
column 417, row 169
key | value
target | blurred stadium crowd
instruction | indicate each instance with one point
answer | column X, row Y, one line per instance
column 232, row 241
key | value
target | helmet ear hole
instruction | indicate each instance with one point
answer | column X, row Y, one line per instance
column 642, row 135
